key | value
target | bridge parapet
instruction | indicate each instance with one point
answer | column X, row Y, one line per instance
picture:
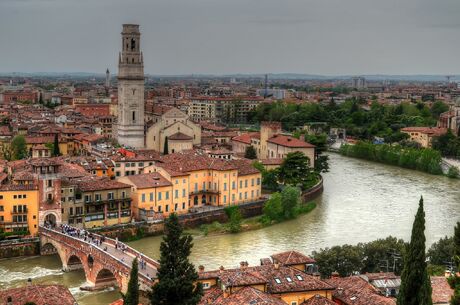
column 95, row 259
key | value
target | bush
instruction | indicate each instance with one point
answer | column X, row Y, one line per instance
column 453, row 172
column 425, row 159
column 234, row 215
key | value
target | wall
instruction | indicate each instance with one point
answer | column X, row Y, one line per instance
column 11, row 248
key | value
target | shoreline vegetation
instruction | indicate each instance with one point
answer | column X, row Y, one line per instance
column 422, row 159
column 247, row 224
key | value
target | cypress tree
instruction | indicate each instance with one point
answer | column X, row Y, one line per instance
column 415, row 283
column 56, row 150
column 176, row 275
column 166, row 149
column 132, row 295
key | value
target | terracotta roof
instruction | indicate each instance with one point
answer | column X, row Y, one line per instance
column 245, row 137
column 441, row 292
column 18, row 187
column 274, row 161
column 92, row 183
column 354, row 290
column 38, row 294
column 318, row 300
column 148, row 180
column 245, row 167
column 289, row 258
column 179, row 136
column 246, row 295
column 289, row 141
column 433, row 131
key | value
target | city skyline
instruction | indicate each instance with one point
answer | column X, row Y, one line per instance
column 223, row 37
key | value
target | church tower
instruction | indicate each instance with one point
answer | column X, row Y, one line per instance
column 130, row 129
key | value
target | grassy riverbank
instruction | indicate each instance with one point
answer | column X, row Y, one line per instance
column 247, row 224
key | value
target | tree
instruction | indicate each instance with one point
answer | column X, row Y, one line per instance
column 19, row 147
column 250, row 153
column 166, row 149
column 234, row 216
column 441, row 251
column 132, row 295
column 415, row 283
column 290, row 201
column 273, row 208
column 176, row 275
column 56, row 150
column 455, row 280
column 295, row 170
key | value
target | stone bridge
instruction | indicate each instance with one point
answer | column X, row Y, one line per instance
column 104, row 265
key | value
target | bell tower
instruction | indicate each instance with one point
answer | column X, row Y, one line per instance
column 130, row 126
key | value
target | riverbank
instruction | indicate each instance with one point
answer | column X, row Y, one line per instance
column 247, row 224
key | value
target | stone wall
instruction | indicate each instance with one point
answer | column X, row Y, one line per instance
column 15, row 248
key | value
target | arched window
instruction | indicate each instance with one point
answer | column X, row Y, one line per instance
column 133, row 44
column 133, row 60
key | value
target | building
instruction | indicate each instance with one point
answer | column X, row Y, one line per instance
column 272, row 282
column 451, row 119
column 358, row 83
column 222, row 109
column 275, row 93
column 19, row 208
column 175, row 125
column 130, row 128
column 270, row 143
column 38, row 295
column 90, row 202
column 424, row 135
column 441, row 291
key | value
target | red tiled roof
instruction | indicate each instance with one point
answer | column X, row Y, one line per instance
column 92, row 183
column 246, row 295
column 354, row 290
column 289, row 258
column 148, row 180
column 318, row 300
column 441, row 292
column 433, row 131
column 245, row 137
column 289, row 141
column 38, row 294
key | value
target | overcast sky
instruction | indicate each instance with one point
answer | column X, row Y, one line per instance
column 330, row 37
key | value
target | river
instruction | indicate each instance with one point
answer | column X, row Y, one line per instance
column 362, row 201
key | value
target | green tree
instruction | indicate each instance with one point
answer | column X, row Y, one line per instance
column 176, row 275
column 166, row 149
column 295, row 170
column 19, row 147
column 250, row 153
column 235, row 218
column 273, row 208
column 441, row 251
column 454, row 281
column 56, row 150
column 415, row 283
column 132, row 295
column 290, row 201
column 345, row 259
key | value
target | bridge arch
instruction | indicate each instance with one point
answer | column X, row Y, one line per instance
column 107, row 278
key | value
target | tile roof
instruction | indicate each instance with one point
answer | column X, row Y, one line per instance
column 354, row 290
column 318, row 300
column 18, row 187
column 441, row 292
column 292, row 258
column 244, row 296
column 149, row 180
column 289, row 141
column 246, row 137
column 38, row 294
column 93, row 183
column 433, row 131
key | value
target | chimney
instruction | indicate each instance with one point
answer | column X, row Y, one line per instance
column 201, row 268
column 339, row 290
column 242, row 265
column 335, row 274
column 221, row 269
column 276, row 265
column 29, row 282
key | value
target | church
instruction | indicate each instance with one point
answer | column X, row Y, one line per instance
column 171, row 130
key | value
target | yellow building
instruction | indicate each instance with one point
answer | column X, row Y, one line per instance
column 154, row 196
column 423, row 135
column 19, row 208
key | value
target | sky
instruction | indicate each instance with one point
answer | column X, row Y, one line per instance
column 327, row 37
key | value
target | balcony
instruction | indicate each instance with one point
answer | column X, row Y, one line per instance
column 205, row 191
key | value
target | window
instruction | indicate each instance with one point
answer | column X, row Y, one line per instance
column 110, row 196
column 245, row 195
column 1, row 208
column 167, row 195
column 225, row 198
column 233, row 197
column 175, row 207
column 293, row 303
column 246, row 183
column 151, row 196
column 159, row 195
column 97, row 197
column 225, row 186
column 183, row 205
column 196, row 187
column 241, row 196
column 1, row 196
column 233, row 185
column 252, row 182
column 277, row 280
column 176, row 193
column 206, row 285
column 177, row 181
column 167, row 208
column 15, row 196
column 87, row 198
column 241, row 184
column 143, row 197
column 141, row 164
column 288, row 279
column 299, row 277
column 258, row 181
column 183, row 192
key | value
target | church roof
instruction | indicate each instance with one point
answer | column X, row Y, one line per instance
column 179, row 136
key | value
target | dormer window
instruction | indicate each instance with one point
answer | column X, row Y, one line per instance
column 299, row 277
column 277, row 280
column 289, row 279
